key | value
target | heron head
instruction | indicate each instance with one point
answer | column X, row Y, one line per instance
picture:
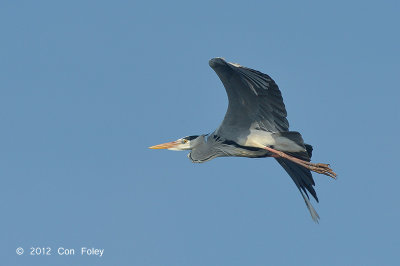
column 186, row 143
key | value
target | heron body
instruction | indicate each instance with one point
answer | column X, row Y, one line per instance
column 255, row 126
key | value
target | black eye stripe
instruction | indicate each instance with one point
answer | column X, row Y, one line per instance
column 191, row 137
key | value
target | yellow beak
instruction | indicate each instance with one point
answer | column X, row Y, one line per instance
column 164, row 145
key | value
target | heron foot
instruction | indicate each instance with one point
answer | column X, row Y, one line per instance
column 321, row 168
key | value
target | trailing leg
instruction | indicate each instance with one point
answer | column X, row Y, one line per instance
column 320, row 168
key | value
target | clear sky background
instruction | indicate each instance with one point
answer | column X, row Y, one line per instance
column 87, row 86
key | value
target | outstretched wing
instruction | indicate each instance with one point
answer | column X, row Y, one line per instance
column 255, row 101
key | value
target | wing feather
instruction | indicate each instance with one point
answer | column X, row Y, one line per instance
column 255, row 101
column 303, row 179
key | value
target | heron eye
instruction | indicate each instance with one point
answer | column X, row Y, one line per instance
column 184, row 141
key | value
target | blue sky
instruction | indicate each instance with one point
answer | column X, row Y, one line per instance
column 87, row 86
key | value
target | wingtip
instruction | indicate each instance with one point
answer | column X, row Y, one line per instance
column 217, row 61
column 313, row 212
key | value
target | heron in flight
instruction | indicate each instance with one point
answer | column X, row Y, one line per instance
column 255, row 126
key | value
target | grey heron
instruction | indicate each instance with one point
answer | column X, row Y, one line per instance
column 255, row 126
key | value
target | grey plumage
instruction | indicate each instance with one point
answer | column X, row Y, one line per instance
column 255, row 101
column 255, row 126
